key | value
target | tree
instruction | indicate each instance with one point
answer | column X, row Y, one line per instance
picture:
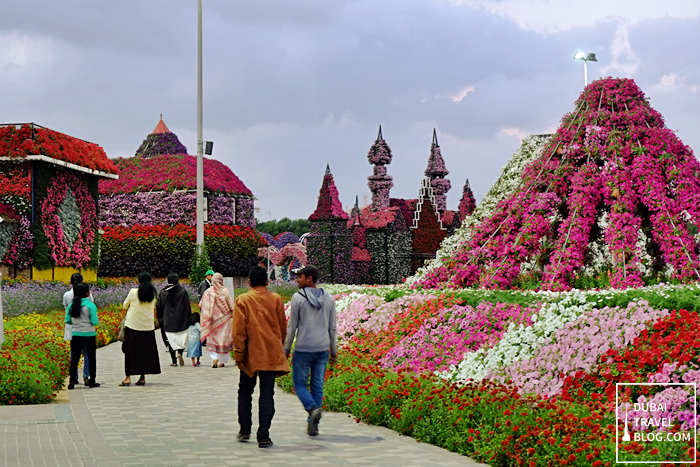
column 273, row 227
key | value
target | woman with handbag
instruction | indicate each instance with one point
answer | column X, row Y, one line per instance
column 82, row 315
column 139, row 347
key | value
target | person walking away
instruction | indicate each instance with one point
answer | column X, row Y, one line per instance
column 259, row 330
column 173, row 310
column 217, row 313
column 195, row 347
column 206, row 283
column 77, row 278
column 140, row 350
column 82, row 314
column 312, row 320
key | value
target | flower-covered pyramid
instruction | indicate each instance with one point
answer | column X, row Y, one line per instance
column 161, row 141
column 329, row 206
column 614, row 192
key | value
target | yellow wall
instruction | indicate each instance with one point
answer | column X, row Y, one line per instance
column 62, row 274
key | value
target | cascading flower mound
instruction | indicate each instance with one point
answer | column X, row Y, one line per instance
column 613, row 192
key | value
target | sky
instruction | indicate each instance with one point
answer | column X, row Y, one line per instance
column 292, row 86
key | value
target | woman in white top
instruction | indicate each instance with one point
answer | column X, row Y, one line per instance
column 140, row 351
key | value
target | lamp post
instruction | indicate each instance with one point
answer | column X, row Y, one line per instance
column 586, row 58
column 200, row 144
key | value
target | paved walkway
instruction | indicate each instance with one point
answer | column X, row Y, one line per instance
column 187, row 417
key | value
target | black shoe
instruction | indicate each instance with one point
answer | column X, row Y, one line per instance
column 243, row 438
column 86, row 381
column 314, row 418
column 71, row 386
column 93, row 384
column 265, row 444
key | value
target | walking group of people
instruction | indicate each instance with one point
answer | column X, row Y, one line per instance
column 254, row 327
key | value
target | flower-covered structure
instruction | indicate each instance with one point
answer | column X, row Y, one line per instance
column 467, row 204
column 383, row 233
column 157, row 192
column 509, row 181
column 436, row 172
column 380, row 183
column 428, row 230
column 285, row 252
column 48, row 202
column 613, row 193
column 329, row 243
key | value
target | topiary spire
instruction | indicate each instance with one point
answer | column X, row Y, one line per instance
column 467, row 204
column 379, row 182
column 436, row 172
column 329, row 206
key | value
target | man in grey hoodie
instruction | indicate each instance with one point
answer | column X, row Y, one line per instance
column 312, row 320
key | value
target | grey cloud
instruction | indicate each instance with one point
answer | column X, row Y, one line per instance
column 290, row 86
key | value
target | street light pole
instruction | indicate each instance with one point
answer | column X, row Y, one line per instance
column 200, row 143
column 586, row 58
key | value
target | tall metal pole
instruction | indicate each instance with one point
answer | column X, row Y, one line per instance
column 200, row 138
column 585, row 72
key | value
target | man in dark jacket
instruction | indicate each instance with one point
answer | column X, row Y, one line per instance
column 206, row 283
column 173, row 311
column 312, row 320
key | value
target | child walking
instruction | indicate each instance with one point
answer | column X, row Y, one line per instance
column 195, row 348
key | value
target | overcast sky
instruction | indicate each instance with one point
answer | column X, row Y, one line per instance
column 292, row 85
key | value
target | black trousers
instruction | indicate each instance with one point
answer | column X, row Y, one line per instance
column 172, row 353
column 76, row 349
column 266, row 403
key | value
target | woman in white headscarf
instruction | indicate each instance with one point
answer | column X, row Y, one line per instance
column 217, row 313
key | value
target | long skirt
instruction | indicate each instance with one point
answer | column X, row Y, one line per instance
column 140, row 353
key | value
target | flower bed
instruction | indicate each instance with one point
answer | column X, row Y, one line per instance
column 34, row 359
column 26, row 297
column 536, row 382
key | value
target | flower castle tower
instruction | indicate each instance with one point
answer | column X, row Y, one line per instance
column 329, row 243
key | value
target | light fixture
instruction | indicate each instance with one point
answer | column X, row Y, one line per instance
column 586, row 58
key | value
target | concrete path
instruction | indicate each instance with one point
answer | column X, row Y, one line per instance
column 186, row 416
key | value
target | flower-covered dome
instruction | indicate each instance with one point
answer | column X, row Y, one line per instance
column 162, row 164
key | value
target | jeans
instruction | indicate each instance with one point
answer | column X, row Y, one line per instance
column 78, row 345
column 302, row 363
column 266, row 403
column 86, row 363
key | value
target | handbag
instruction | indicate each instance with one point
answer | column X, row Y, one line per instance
column 68, row 332
column 122, row 332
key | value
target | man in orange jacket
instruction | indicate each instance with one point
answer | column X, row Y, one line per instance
column 259, row 329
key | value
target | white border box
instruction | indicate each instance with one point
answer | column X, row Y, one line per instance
column 695, row 428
